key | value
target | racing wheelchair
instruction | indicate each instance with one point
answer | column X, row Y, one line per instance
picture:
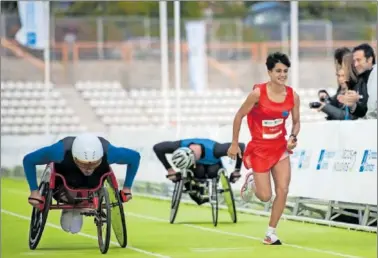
column 103, row 202
column 214, row 187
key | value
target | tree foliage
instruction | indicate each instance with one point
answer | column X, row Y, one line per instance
column 8, row 6
column 189, row 9
column 359, row 11
column 332, row 10
column 133, row 8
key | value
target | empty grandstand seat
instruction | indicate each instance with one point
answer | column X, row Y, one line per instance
column 23, row 109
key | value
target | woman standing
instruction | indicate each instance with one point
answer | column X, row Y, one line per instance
column 267, row 107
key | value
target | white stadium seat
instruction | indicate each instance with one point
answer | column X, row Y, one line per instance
column 23, row 109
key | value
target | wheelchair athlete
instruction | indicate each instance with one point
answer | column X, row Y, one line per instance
column 82, row 160
column 202, row 156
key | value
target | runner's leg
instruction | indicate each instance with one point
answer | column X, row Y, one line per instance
column 281, row 173
column 257, row 183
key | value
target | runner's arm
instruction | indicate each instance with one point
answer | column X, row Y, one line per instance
column 295, row 115
column 125, row 156
column 220, row 150
column 163, row 148
column 42, row 156
column 245, row 108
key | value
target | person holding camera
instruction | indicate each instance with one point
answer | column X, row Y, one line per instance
column 331, row 106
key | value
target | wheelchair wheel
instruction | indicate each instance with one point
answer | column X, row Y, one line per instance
column 176, row 198
column 39, row 218
column 228, row 196
column 103, row 218
column 118, row 216
column 214, row 201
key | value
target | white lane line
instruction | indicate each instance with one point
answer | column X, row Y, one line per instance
column 86, row 235
column 49, row 253
column 231, row 249
column 229, row 233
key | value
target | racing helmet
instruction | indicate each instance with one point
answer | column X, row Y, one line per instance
column 183, row 158
column 87, row 151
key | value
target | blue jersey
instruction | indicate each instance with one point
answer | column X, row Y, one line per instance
column 60, row 154
column 208, row 145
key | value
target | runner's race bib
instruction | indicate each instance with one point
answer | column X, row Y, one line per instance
column 272, row 129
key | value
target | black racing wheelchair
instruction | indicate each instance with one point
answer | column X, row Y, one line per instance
column 216, row 188
column 103, row 202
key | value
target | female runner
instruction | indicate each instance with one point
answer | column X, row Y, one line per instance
column 267, row 107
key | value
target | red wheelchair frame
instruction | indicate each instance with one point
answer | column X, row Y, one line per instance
column 84, row 192
column 91, row 198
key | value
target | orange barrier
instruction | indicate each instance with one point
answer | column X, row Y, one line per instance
column 14, row 47
column 258, row 50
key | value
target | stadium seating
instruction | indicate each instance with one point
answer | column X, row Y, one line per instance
column 23, row 107
column 118, row 107
column 23, row 110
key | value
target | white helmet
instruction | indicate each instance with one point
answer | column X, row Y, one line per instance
column 183, row 158
column 87, row 148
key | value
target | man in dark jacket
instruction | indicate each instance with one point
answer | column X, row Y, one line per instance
column 356, row 99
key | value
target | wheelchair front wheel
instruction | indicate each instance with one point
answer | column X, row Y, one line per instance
column 118, row 215
column 214, row 201
column 228, row 196
column 39, row 217
column 103, row 218
column 176, row 198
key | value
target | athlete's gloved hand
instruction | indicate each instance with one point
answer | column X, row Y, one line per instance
column 35, row 199
column 125, row 195
column 235, row 176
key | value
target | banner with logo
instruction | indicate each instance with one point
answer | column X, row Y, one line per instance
column 34, row 17
column 334, row 160
column 197, row 57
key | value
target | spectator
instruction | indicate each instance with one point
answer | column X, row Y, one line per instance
column 339, row 54
column 331, row 106
column 363, row 59
column 357, row 97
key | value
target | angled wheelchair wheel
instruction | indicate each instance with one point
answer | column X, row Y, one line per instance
column 228, row 196
column 214, row 201
column 103, row 219
column 118, row 215
column 176, row 198
column 39, row 217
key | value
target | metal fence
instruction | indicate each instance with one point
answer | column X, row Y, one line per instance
column 145, row 31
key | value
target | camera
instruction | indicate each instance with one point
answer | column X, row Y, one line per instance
column 315, row 104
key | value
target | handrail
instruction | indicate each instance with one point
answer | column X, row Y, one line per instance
column 19, row 52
